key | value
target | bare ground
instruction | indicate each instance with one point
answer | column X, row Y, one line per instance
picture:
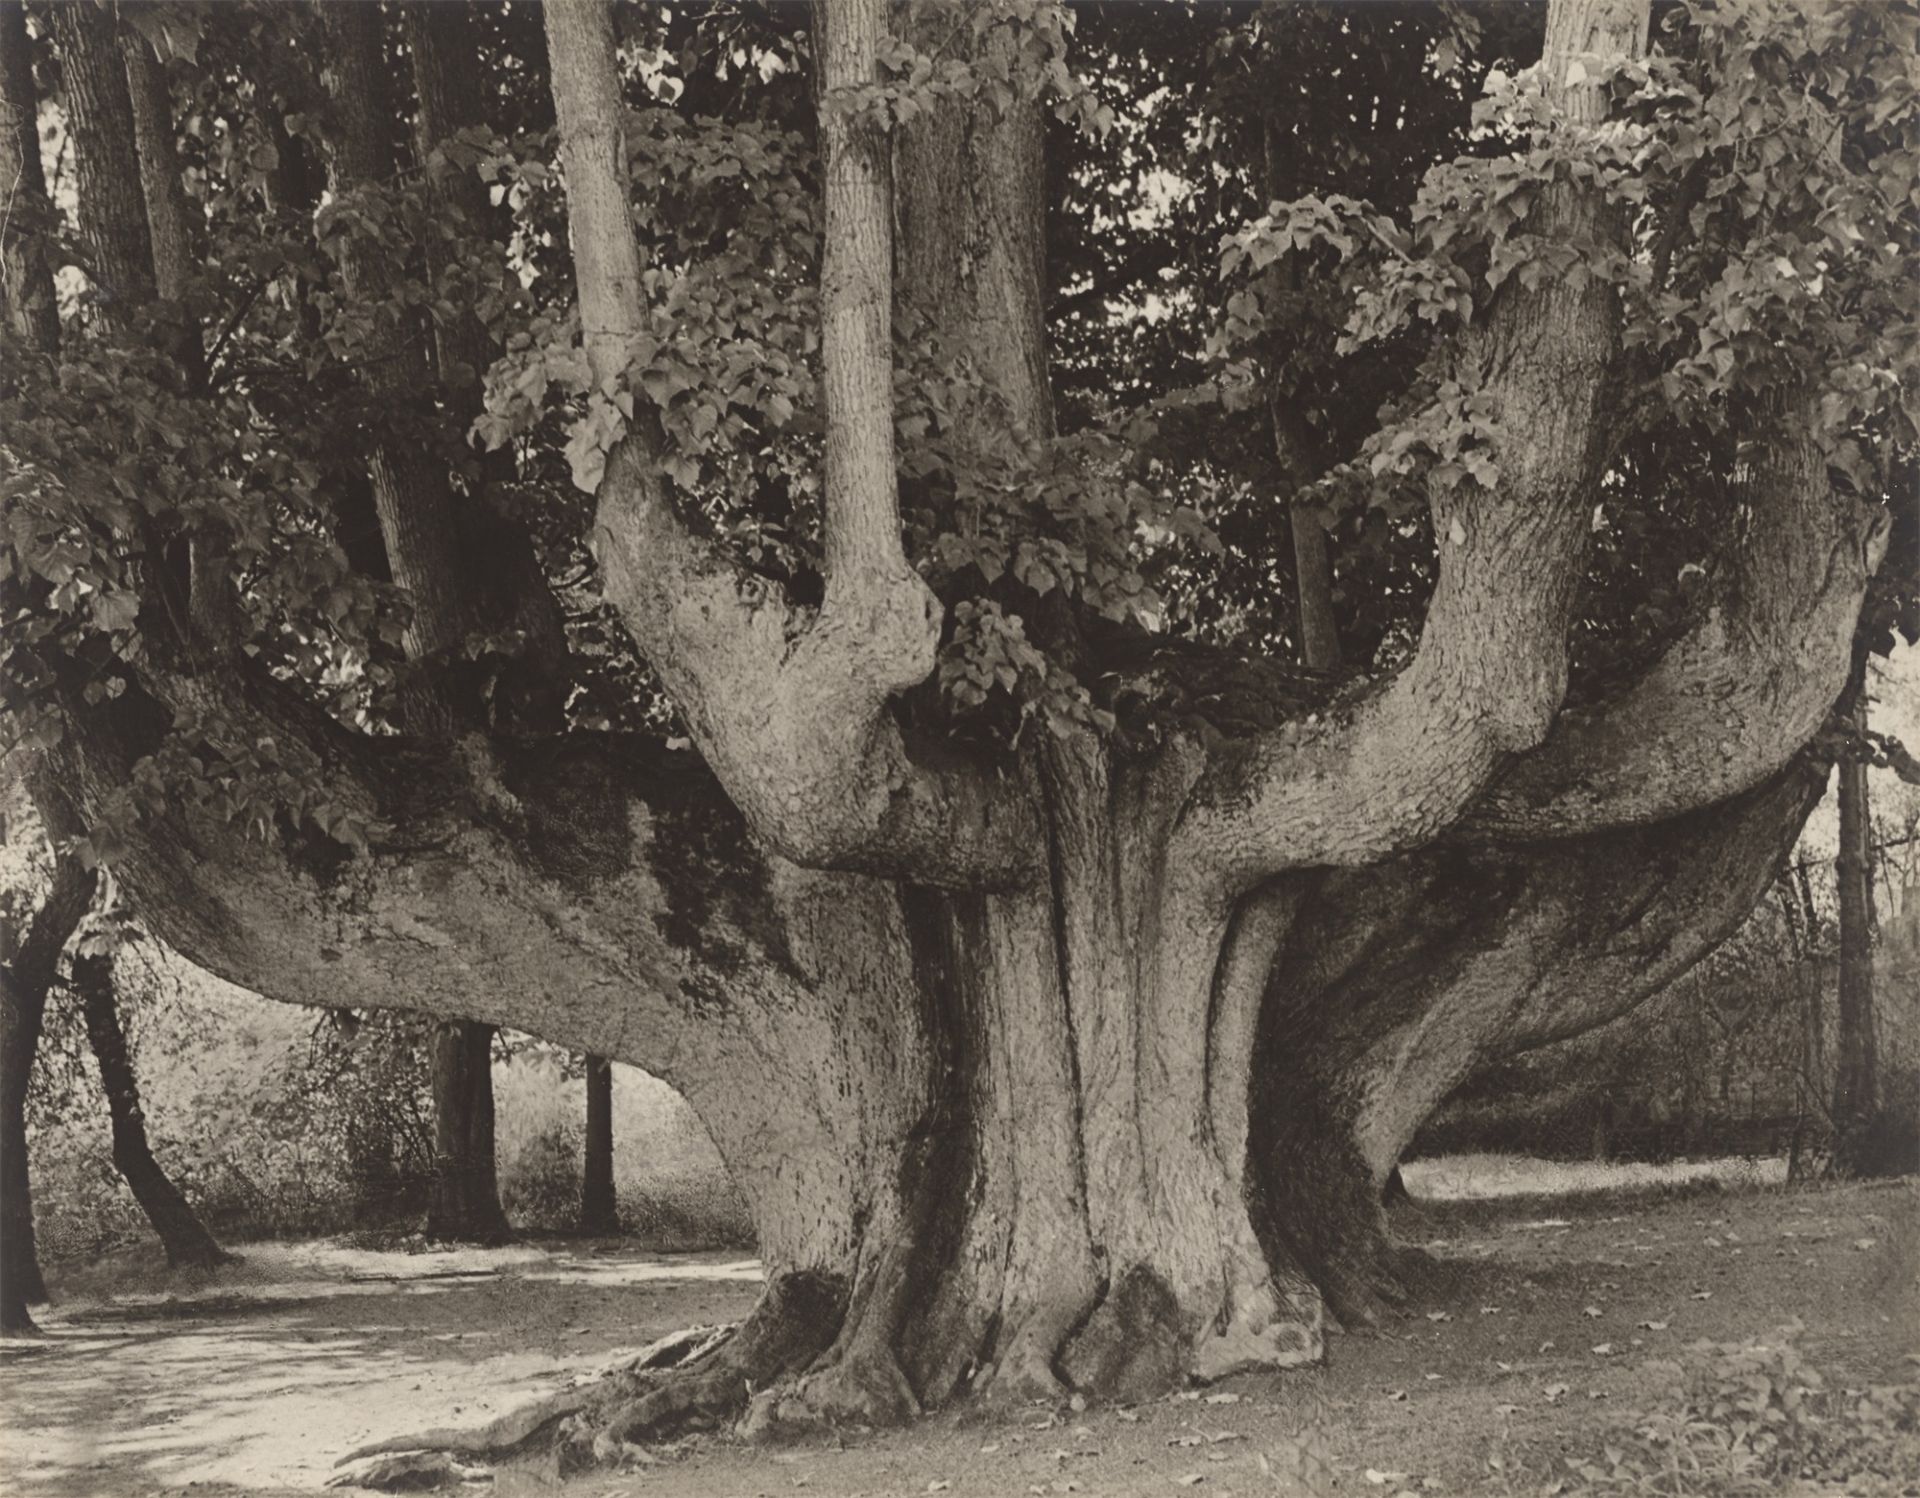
column 255, row 1379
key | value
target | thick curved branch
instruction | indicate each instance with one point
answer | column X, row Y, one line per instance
column 597, row 894
column 1403, row 764
column 793, row 713
column 1505, row 950
column 1739, row 695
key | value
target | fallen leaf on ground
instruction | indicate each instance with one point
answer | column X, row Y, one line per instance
column 1655, row 1326
column 1603, row 1349
column 938, row 1485
column 1864, row 1243
column 1378, row 1478
column 1591, row 1311
column 1439, row 1316
column 1223, row 1398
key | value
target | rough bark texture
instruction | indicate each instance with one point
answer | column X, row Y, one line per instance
column 29, row 960
column 1404, row 979
column 1082, row 1073
column 599, row 1207
column 113, row 214
column 1735, row 697
column 791, row 711
column 1490, row 671
column 26, row 279
column 184, row 1237
column 420, row 521
column 160, row 186
column 465, row 1204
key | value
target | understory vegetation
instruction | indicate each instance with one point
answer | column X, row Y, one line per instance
column 285, row 1123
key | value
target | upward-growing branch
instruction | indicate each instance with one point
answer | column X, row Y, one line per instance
column 856, row 301
column 1490, row 670
column 792, row 711
column 1737, row 696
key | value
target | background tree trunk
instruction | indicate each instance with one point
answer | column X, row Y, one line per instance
column 112, row 210
column 26, row 283
column 1856, row 1090
column 599, row 1210
column 1301, row 462
column 28, row 962
column 182, row 1234
column 465, row 1204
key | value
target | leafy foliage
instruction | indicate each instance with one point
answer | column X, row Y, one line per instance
column 1274, row 230
column 1727, row 1418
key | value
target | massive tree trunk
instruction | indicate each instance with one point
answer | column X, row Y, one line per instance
column 599, row 1208
column 1070, row 1072
column 184, row 1237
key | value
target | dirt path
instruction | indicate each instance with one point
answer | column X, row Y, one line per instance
column 258, row 1378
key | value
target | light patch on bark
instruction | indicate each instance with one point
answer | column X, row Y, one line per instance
column 1737, row 696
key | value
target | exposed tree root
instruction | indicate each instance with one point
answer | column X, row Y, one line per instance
column 519, row 1429
column 1278, row 1323
column 690, row 1381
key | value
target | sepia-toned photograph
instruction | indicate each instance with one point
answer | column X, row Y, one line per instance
column 871, row 748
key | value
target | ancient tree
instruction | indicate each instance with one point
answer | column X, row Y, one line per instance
column 792, row 703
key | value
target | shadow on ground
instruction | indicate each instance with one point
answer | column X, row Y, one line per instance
column 259, row 1377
